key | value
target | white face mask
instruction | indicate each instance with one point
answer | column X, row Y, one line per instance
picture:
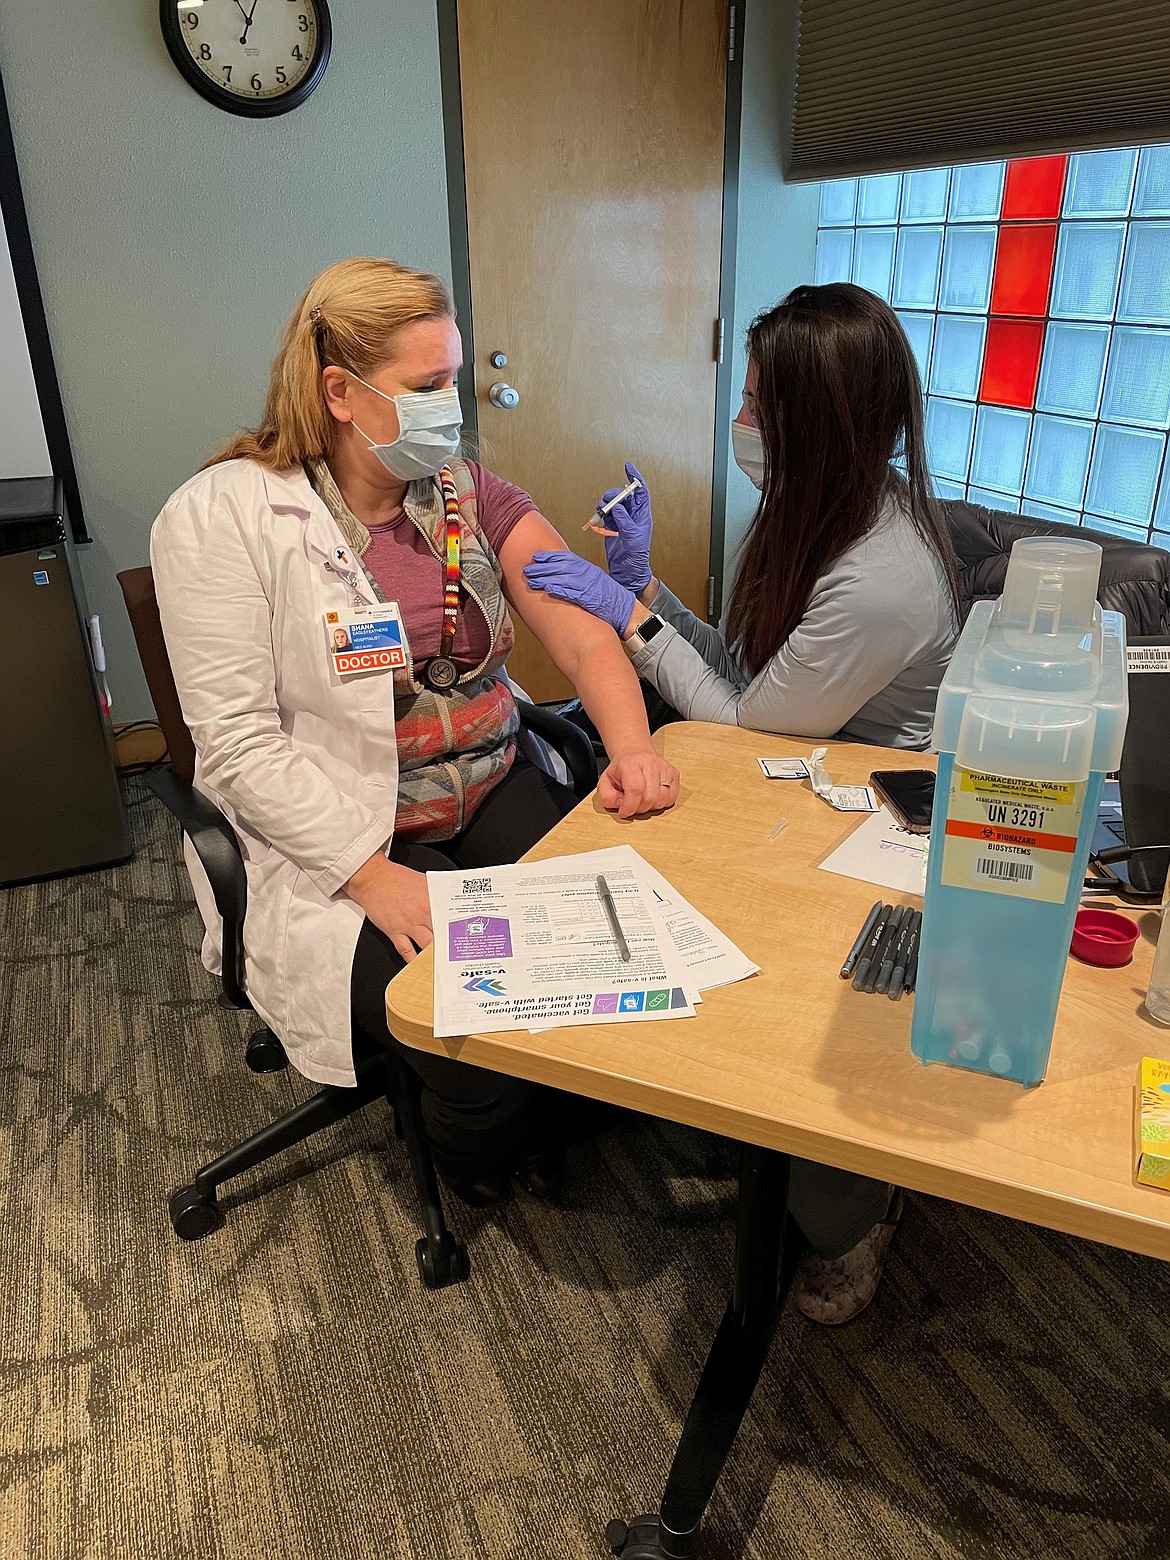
column 748, row 448
column 428, row 432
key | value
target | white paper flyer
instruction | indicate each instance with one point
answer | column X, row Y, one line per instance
column 530, row 945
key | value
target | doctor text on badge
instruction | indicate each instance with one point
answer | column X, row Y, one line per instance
column 369, row 660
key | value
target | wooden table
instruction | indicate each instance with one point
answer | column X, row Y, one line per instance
column 794, row 1061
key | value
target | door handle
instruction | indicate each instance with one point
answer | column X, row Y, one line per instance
column 504, row 396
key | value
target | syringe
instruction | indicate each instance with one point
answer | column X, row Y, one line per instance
column 602, row 510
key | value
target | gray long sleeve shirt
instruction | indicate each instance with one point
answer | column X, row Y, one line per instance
column 864, row 663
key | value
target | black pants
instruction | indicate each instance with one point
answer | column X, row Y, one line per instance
column 476, row 1120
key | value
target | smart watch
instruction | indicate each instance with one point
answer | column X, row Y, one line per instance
column 643, row 634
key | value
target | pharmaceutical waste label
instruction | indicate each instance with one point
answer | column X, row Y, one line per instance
column 1009, row 836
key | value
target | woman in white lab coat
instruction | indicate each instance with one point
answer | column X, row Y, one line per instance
column 350, row 504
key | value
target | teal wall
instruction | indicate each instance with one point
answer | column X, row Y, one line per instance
column 777, row 228
column 172, row 239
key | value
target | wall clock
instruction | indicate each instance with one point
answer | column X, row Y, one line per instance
column 252, row 57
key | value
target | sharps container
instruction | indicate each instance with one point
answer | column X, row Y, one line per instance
column 1030, row 719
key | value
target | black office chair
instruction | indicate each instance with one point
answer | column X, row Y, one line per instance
column 1135, row 577
column 194, row 1209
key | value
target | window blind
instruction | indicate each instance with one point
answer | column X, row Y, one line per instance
column 881, row 85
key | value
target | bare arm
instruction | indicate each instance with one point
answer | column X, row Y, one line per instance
column 590, row 655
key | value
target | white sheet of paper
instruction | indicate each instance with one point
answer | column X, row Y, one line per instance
column 881, row 851
column 712, row 959
column 529, row 945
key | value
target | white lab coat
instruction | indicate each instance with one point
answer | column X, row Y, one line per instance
column 303, row 763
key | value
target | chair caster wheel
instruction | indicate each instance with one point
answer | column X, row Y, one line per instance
column 194, row 1215
column 639, row 1539
column 441, row 1262
column 264, row 1053
column 616, row 1533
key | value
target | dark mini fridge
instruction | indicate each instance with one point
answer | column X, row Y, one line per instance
column 60, row 806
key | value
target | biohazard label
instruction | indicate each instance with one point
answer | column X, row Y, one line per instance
column 1008, row 836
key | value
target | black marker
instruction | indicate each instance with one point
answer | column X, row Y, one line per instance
column 881, row 957
column 912, row 952
column 877, row 932
column 859, row 941
column 900, row 957
column 890, row 957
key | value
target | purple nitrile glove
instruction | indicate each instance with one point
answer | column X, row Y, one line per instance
column 583, row 584
column 627, row 555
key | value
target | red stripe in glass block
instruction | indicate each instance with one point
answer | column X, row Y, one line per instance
column 1023, row 269
column 1033, row 188
column 1011, row 362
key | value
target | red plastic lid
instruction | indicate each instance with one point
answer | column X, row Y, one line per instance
column 1104, row 937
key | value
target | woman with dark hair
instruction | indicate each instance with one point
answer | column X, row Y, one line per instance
column 841, row 621
column 843, row 613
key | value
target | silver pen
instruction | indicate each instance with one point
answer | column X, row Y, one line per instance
column 611, row 916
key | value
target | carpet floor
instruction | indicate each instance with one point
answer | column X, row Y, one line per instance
column 286, row 1388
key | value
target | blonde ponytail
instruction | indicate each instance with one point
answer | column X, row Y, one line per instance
column 348, row 318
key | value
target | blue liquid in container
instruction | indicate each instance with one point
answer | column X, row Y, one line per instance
column 1030, row 719
column 990, row 967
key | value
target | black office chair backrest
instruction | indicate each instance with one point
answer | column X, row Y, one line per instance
column 1135, row 578
column 142, row 606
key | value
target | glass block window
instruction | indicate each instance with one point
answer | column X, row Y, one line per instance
column 1036, row 296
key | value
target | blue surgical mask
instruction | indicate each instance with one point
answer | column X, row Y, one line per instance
column 748, row 448
column 429, row 423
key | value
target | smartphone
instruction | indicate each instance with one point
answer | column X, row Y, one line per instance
column 909, row 794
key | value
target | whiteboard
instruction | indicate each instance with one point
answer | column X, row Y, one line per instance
column 24, row 449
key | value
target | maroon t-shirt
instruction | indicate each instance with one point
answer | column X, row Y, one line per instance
column 408, row 572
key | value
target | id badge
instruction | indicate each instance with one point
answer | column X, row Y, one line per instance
column 371, row 640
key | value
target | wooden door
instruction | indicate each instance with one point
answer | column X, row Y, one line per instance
column 593, row 144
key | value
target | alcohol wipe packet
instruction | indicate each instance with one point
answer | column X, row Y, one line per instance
column 784, row 768
column 845, row 798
